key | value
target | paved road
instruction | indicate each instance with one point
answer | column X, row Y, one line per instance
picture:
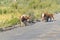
column 38, row 31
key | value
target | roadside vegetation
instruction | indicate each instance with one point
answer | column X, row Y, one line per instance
column 11, row 10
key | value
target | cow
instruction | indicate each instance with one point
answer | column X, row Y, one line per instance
column 25, row 19
column 47, row 17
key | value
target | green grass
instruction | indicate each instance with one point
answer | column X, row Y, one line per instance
column 11, row 10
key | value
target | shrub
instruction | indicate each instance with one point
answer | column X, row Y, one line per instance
column 13, row 21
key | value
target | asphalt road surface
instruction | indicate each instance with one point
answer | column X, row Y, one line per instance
column 38, row 31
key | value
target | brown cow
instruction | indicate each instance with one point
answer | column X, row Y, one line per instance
column 25, row 19
column 46, row 17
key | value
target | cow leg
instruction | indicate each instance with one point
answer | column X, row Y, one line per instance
column 25, row 23
column 47, row 19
